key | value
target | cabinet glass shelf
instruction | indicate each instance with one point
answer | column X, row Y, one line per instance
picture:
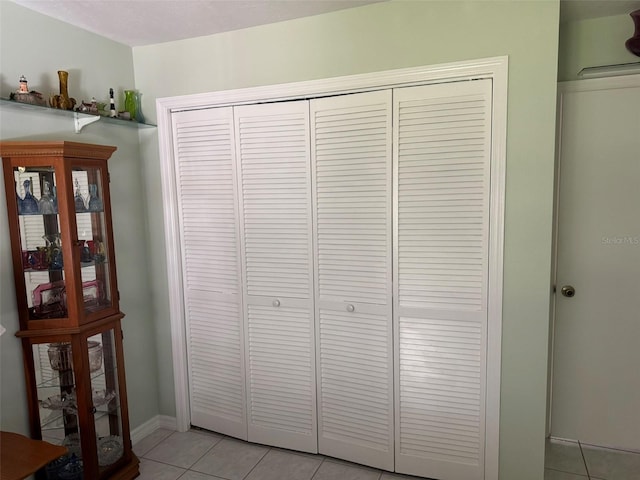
column 56, row 213
column 55, row 419
column 80, row 119
column 54, row 380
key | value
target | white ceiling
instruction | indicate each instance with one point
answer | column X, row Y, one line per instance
column 146, row 22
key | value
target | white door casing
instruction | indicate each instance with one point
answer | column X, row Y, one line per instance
column 442, row 154
column 274, row 186
column 351, row 159
column 494, row 69
column 596, row 385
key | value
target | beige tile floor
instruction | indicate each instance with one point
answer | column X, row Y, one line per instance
column 201, row 455
column 575, row 461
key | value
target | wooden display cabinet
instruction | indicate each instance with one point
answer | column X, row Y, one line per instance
column 65, row 277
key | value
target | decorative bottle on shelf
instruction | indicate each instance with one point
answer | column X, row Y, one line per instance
column 79, row 200
column 100, row 254
column 112, row 105
column 46, row 205
column 29, row 202
column 95, row 204
column 62, row 101
column 54, row 251
column 18, row 199
column 130, row 103
column 85, row 253
column 139, row 116
column 633, row 44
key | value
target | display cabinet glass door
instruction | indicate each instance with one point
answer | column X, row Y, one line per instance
column 92, row 238
column 56, row 389
column 107, row 412
column 61, row 409
column 41, row 242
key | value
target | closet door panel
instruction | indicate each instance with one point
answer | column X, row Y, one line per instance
column 354, row 404
column 441, row 167
column 351, row 158
column 280, row 359
column 204, row 158
column 277, row 244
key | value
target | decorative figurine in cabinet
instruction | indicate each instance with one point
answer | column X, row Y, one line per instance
column 65, row 276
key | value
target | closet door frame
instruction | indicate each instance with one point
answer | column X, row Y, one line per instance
column 494, row 68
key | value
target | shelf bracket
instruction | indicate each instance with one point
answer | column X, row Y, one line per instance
column 81, row 121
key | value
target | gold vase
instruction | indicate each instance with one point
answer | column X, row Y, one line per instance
column 62, row 101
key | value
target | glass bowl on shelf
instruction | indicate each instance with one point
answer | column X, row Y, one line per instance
column 110, row 449
column 61, row 358
column 72, row 442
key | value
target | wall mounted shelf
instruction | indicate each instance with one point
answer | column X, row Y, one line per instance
column 80, row 120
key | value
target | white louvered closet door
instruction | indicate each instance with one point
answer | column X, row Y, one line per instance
column 207, row 204
column 351, row 158
column 441, row 228
column 276, row 222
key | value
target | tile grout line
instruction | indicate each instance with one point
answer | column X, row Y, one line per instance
column 165, row 463
column 315, row 472
column 151, row 448
column 186, row 469
column 208, row 450
column 257, row 463
column 584, row 460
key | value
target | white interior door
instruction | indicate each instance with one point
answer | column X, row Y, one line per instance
column 207, row 208
column 442, row 154
column 277, row 245
column 596, row 379
column 351, row 158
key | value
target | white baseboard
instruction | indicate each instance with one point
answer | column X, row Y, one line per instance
column 593, row 445
column 151, row 425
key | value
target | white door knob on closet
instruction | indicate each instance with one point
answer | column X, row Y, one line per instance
column 351, row 308
column 276, row 303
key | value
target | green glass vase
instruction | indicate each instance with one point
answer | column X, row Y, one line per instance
column 130, row 103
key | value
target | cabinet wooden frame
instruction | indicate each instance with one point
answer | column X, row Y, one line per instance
column 78, row 339
column 72, row 376
column 62, row 157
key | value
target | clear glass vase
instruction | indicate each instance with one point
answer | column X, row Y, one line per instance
column 138, row 99
column 95, row 204
column 78, row 200
column 46, row 205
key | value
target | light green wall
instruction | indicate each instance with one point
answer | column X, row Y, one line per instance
column 394, row 35
column 38, row 46
column 592, row 43
column 377, row 37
